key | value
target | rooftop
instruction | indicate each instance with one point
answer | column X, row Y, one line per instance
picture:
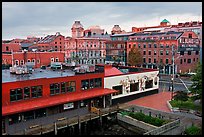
column 38, row 73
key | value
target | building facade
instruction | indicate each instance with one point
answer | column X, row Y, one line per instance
column 38, row 58
column 156, row 48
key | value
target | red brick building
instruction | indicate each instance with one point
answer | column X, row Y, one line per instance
column 39, row 58
column 8, row 47
column 50, row 43
column 156, row 48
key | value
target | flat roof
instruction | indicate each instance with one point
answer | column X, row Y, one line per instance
column 36, row 74
column 26, row 105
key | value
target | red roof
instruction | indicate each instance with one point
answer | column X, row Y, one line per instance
column 109, row 71
column 53, row 100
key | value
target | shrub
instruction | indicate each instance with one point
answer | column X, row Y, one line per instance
column 183, row 96
column 193, row 130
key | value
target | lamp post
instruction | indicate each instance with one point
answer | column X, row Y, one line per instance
column 172, row 80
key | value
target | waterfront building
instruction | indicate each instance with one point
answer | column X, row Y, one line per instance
column 46, row 96
column 130, row 82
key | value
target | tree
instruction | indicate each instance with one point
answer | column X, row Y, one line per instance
column 196, row 87
column 134, row 57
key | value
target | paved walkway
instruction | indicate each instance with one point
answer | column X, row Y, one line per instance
column 156, row 101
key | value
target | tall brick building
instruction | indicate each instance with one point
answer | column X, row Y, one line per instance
column 156, row 48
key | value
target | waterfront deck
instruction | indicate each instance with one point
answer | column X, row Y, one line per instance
column 67, row 122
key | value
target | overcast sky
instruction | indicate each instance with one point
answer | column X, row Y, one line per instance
column 22, row 19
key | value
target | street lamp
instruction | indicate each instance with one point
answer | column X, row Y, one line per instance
column 172, row 79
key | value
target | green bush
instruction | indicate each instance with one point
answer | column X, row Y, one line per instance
column 193, row 130
column 181, row 96
column 185, row 104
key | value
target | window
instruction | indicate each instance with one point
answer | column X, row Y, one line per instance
column 134, row 87
column 52, row 60
column 119, row 89
column 167, row 61
column 28, row 60
column 167, row 46
column 7, row 48
column 63, row 87
column 33, row 60
column 92, row 83
column 16, row 62
column 149, row 45
column 38, row 61
column 154, row 60
column 167, row 52
column 28, row 115
column 155, row 52
column 189, row 52
column 130, row 46
column 134, row 45
column 16, row 94
column 161, row 52
column 71, row 86
column 190, row 36
column 161, row 60
column 56, row 59
column 148, row 84
column 197, row 52
column 55, row 42
column 98, row 82
column 138, row 45
column 85, row 84
column 54, row 88
column 155, row 45
column 144, row 45
column 194, row 59
column 189, row 60
column 26, row 92
column 40, row 113
column 181, row 61
column 36, row 91
column 181, row 52
column 144, row 52
column 149, row 52
column 184, row 60
column 22, row 62
column 161, row 46
column 144, row 60
column 149, row 60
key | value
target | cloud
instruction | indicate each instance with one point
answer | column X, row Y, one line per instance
column 20, row 19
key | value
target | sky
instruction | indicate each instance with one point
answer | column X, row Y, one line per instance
column 22, row 19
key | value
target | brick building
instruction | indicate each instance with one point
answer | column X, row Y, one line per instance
column 39, row 58
column 50, row 43
column 156, row 48
column 8, row 47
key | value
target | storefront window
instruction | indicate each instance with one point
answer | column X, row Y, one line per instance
column 28, row 115
column 16, row 94
column 119, row 89
column 134, row 87
column 40, row 113
column 148, row 84
column 36, row 91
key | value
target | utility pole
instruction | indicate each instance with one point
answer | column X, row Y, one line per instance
column 172, row 72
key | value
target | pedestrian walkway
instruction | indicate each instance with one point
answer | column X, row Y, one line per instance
column 157, row 101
